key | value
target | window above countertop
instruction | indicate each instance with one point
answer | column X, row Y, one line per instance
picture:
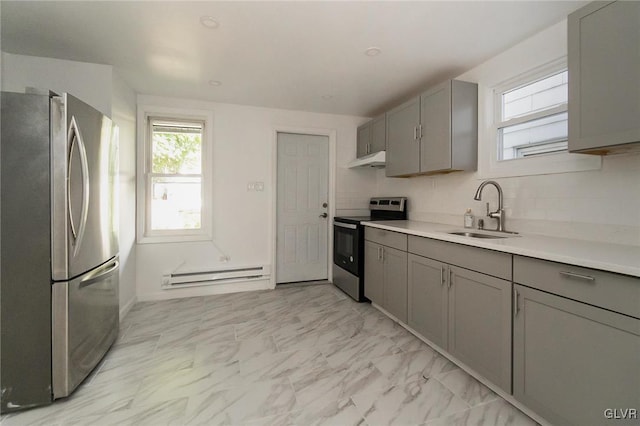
column 525, row 125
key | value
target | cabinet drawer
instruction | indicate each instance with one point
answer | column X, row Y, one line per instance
column 386, row 238
column 477, row 259
column 619, row 293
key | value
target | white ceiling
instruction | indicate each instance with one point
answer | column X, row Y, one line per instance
column 278, row 54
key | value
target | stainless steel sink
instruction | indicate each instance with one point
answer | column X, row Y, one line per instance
column 475, row 235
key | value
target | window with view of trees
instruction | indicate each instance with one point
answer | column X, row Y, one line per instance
column 532, row 116
column 175, row 175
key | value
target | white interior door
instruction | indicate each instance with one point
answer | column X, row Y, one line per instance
column 302, row 199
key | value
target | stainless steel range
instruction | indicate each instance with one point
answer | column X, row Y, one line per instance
column 348, row 243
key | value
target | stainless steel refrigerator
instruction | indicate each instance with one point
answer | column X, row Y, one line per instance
column 59, row 245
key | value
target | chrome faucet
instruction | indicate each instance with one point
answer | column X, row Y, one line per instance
column 498, row 214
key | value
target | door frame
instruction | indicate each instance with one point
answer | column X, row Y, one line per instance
column 331, row 134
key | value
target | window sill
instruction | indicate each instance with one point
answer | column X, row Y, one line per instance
column 542, row 165
column 163, row 239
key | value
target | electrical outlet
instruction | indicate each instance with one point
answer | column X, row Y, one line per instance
column 259, row 186
column 225, row 258
column 251, row 186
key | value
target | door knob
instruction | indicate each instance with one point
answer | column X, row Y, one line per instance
column 323, row 215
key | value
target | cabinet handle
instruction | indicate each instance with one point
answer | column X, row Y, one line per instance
column 382, row 253
column 442, row 275
column 578, row 276
column 450, row 282
column 415, row 133
column 516, row 307
column 420, row 132
column 378, row 253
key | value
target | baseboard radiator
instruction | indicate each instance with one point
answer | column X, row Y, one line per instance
column 215, row 276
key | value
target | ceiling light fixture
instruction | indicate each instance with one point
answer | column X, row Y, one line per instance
column 215, row 83
column 209, row 22
column 373, row 51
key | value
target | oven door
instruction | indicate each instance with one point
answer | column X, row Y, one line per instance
column 346, row 238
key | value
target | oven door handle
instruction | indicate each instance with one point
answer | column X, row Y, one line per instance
column 345, row 225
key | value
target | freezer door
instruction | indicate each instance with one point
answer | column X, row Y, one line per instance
column 85, row 325
column 84, row 189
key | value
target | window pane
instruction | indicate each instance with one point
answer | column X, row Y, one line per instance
column 176, row 203
column 176, row 148
column 537, row 96
column 548, row 134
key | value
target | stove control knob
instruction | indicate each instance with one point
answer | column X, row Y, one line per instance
column 350, row 258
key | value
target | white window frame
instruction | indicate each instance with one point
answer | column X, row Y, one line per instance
column 144, row 232
column 489, row 166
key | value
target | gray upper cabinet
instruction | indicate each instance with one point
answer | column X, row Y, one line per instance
column 403, row 148
column 449, row 127
column 378, row 134
column 604, row 77
column 371, row 137
column 435, row 133
column 572, row 361
column 363, row 140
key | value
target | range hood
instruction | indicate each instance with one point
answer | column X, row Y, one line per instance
column 377, row 159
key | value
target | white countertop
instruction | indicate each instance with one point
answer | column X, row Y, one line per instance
column 617, row 258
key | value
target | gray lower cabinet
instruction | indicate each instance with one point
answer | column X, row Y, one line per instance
column 604, row 77
column 428, row 298
column 385, row 271
column 464, row 312
column 373, row 272
column 573, row 363
column 479, row 328
column 395, row 282
column 460, row 299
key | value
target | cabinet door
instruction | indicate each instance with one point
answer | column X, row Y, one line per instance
column 435, row 118
column 604, row 70
column 573, row 361
column 373, row 273
column 363, row 140
column 395, row 282
column 480, row 324
column 427, row 301
column 403, row 147
column 378, row 134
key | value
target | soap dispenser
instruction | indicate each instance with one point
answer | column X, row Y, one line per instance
column 468, row 219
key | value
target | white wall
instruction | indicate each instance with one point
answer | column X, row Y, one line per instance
column 100, row 87
column 243, row 151
column 602, row 205
column 124, row 115
column 88, row 82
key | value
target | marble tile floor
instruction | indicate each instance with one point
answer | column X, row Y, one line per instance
column 297, row 355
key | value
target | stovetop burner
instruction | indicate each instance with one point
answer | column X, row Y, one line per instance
column 381, row 208
column 352, row 219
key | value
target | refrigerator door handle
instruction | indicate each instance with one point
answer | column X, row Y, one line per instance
column 75, row 137
column 100, row 274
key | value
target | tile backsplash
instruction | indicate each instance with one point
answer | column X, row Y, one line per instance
column 600, row 205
